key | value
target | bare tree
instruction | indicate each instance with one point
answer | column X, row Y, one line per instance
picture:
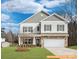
column 69, row 9
column 3, row 33
column 72, row 26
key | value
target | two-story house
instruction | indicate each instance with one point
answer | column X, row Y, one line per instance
column 45, row 30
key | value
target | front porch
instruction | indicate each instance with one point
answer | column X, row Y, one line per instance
column 35, row 41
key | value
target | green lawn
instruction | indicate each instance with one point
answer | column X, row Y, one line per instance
column 73, row 47
column 34, row 53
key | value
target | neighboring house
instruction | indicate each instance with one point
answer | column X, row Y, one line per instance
column 3, row 41
column 45, row 30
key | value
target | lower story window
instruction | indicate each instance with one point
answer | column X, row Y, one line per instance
column 28, row 41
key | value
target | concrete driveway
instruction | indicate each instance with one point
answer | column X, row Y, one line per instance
column 62, row 51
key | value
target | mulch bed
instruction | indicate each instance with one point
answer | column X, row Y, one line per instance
column 22, row 49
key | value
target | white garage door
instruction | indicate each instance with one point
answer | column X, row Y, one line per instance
column 54, row 42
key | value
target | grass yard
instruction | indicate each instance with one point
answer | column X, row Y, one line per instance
column 34, row 53
column 73, row 47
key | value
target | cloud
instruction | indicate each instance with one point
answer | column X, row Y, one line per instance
column 5, row 18
column 30, row 6
column 25, row 6
column 53, row 3
column 10, row 26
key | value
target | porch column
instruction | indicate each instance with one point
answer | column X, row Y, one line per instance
column 66, row 41
column 42, row 42
column 34, row 42
column 19, row 42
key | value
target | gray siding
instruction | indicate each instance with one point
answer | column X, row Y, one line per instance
column 53, row 18
column 37, row 17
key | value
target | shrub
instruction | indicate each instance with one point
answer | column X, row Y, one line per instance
column 13, row 45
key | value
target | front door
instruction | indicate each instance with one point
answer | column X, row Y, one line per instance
column 38, row 42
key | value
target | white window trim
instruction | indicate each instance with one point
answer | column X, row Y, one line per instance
column 60, row 27
column 47, row 27
column 28, row 29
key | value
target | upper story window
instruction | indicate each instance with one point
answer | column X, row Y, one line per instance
column 60, row 27
column 24, row 29
column 27, row 29
column 47, row 28
column 30, row 29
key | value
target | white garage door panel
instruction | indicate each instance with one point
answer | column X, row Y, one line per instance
column 53, row 42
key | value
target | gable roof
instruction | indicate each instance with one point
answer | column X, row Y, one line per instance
column 49, row 18
column 37, row 17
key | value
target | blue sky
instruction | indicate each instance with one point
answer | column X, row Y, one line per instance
column 15, row 11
